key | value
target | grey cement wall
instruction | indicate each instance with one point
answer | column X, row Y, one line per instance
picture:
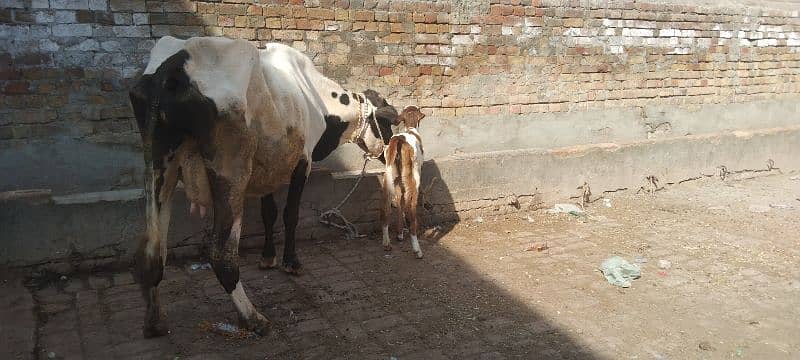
column 483, row 133
column 91, row 229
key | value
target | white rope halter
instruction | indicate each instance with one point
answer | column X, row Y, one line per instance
column 367, row 110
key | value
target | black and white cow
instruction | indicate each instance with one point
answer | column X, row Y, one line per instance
column 230, row 120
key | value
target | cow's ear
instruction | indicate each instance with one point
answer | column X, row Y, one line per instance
column 387, row 113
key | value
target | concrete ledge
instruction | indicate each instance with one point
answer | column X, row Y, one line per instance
column 105, row 227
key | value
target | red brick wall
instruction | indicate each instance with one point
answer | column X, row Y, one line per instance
column 65, row 65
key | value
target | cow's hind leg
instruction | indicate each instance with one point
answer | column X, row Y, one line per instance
column 152, row 253
column 228, row 204
column 149, row 271
column 291, row 264
column 269, row 213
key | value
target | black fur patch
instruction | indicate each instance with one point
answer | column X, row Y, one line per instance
column 182, row 111
column 334, row 95
column 291, row 214
column 334, row 128
column 344, row 99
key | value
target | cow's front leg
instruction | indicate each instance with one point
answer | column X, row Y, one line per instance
column 269, row 213
column 291, row 264
column 228, row 208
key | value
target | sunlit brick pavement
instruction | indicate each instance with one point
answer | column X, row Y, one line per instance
column 732, row 291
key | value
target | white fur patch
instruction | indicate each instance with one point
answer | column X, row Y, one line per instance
column 415, row 246
column 276, row 87
column 242, row 302
column 236, row 230
column 385, row 235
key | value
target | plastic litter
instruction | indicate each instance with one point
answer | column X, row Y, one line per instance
column 197, row 267
column 781, row 206
column 478, row 220
column 664, row 264
column 571, row 209
column 706, row 346
column 619, row 271
column 640, row 259
column 228, row 328
column 530, row 219
column 739, row 351
column 796, row 177
column 537, row 247
column 51, row 355
column 225, row 329
column 607, row 203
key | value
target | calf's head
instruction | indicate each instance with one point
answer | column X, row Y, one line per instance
column 411, row 116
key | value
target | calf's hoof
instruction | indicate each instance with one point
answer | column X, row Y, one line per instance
column 155, row 330
column 418, row 254
column 387, row 247
column 257, row 324
column 267, row 263
column 292, row 267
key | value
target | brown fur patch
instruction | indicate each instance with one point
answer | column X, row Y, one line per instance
column 411, row 116
column 400, row 157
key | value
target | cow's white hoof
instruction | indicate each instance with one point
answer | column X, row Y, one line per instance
column 257, row 323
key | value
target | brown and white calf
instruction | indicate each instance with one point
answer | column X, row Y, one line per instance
column 404, row 157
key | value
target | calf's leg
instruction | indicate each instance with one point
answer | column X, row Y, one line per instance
column 386, row 208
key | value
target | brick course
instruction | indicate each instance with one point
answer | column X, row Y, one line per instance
column 488, row 58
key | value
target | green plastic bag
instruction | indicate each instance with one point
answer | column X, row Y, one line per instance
column 620, row 272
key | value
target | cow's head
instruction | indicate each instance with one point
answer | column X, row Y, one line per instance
column 386, row 116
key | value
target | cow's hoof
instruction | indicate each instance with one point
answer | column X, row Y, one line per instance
column 268, row 263
column 418, row 254
column 293, row 267
column 387, row 247
column 257, row 324
column 155, row 330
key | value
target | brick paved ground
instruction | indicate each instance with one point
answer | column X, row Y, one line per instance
column 733, row 291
